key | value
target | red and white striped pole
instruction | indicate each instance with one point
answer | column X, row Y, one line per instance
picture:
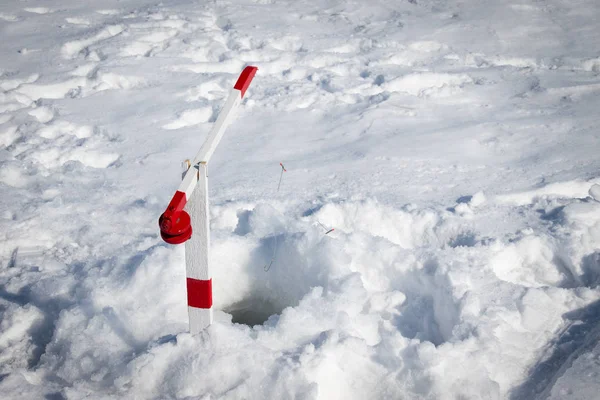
column 176, row 224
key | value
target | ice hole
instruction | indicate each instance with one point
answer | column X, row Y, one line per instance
column 253, row 310
column 282, row 260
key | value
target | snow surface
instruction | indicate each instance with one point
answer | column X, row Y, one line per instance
column 452, row 145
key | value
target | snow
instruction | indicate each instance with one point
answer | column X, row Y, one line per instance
column 452, row 146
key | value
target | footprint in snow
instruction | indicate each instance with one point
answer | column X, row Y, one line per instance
column 108, row 12
column 190, row 118
column 39, row 10
column 72, row 48
column 78, row 21
column 8, row 17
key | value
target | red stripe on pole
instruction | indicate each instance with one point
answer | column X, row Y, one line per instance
column 245, row 78
column 199, row 293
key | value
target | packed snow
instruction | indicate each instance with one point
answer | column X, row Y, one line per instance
column 451, row 145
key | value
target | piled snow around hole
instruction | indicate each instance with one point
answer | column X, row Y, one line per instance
column 377, row 301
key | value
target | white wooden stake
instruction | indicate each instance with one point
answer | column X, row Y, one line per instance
column 197, row 250
column 176, row 224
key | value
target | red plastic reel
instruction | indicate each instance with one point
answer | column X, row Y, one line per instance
column 175, row 228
